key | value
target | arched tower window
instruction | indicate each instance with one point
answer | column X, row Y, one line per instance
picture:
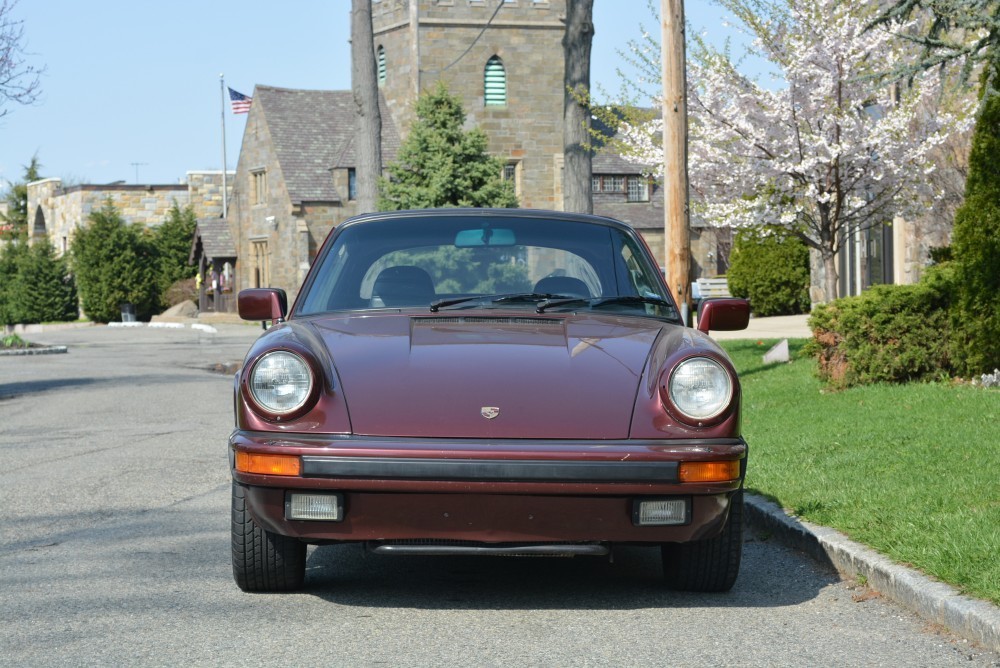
column 495, row 82
column 38, row 229
column 381, row 64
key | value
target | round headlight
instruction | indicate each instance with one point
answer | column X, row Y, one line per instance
column 700, row 388
column 280, row 382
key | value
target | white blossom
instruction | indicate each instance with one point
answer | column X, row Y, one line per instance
column 827, row 153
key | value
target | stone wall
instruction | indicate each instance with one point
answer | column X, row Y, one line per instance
column 56, row 211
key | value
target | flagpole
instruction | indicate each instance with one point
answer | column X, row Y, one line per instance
column 222, row 97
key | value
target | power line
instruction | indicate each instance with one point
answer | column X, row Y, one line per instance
column 500, row 4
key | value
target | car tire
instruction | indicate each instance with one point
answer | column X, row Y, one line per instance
column 263, row 561
column 707, row 565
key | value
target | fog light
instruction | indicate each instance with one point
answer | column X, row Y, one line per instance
column 660, row 512
column 328, row 507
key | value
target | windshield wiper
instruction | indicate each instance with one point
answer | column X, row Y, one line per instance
column 496, row 299
column 603, row 301
column 633, row 299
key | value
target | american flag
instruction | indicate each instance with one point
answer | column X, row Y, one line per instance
column 241, row 102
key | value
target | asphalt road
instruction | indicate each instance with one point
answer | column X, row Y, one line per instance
column 114, row 550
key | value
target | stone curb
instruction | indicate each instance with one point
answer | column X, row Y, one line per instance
column 936, row 602
column 47, row 350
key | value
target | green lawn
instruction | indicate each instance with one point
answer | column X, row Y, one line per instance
column 910, row 470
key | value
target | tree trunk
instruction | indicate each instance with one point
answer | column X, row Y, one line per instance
column 368, row 117
column 577, row 157
column 830, row 279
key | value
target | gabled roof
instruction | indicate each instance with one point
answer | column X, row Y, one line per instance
column 312, row 132
column 216, row 241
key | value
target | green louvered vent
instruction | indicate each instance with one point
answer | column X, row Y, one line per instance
column 381, row 65
column 495, row 81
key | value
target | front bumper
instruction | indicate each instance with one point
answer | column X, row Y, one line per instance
column 497, row 491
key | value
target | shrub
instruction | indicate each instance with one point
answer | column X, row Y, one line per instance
column 172, row 241
column 35, row 285
column 11, row 254
column 114, row 264
column 891, row 333
column 771, row 269
column 43, row 290
column 976, row 249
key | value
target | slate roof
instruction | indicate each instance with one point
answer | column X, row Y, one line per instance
column 312, row 131
column 640, row 215
column 216, row 241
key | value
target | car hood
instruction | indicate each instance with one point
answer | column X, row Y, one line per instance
column 493, row 376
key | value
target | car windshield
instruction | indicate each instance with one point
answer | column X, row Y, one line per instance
column 458, row 262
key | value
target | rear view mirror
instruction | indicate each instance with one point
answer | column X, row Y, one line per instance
column 263, row 304
column 485, row 237
column 724, row 315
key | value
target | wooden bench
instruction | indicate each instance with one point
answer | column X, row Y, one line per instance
column 709, row 288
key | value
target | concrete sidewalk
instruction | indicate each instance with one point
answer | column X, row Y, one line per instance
column 775, row 327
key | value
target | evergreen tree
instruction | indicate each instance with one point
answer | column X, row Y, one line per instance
column 43, row 290
column 172, row 240
column 976, row 250
column 114, row 264
column 771, row 268
column 17, row 202
column 440, row 164
column 11, row 253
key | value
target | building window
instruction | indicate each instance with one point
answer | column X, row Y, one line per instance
column 638, row 189
column 634, row 187
column 512, row 173
column 495, row 82
column 608, row 183
column 258, row 187
column 381, row 65
column 261, row 264
column 352, row 184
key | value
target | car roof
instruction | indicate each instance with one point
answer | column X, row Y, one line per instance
column 469, row 212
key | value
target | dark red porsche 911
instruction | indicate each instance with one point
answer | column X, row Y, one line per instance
column 498, row 382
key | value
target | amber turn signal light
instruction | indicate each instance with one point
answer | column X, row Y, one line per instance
column 268, row 464
column 709, row 471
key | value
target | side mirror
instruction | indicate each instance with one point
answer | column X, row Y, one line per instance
column 263, row 304
column 723, row 315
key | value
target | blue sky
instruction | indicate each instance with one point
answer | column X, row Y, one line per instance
column 138, row 82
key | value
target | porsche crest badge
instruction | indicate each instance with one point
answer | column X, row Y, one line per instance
column 489, row 412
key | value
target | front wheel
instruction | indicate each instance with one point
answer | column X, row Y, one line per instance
column 263, row 561
column 707, row 565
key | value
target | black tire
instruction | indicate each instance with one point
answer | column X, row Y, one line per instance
column 263, row 561
column 707, row 565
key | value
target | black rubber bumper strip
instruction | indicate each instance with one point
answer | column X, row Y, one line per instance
column 398, row 468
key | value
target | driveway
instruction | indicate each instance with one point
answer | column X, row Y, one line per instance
column 114, row 550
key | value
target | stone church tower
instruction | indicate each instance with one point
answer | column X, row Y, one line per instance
column 504, row 58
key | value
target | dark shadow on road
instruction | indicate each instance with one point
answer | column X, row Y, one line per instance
column 347, row 575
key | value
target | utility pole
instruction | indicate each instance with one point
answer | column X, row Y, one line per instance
column 677, row 234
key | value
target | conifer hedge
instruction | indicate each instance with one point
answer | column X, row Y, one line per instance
column 770, row 268
column 115, row 264
column 976, row 251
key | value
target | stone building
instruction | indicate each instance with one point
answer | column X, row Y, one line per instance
column 294, row 178
column 55, row 211
column 294, row 182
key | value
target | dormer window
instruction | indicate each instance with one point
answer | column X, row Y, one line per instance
column 635, row 187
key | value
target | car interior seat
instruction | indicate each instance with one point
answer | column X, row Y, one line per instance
column 404, row 285
column 562, row 285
